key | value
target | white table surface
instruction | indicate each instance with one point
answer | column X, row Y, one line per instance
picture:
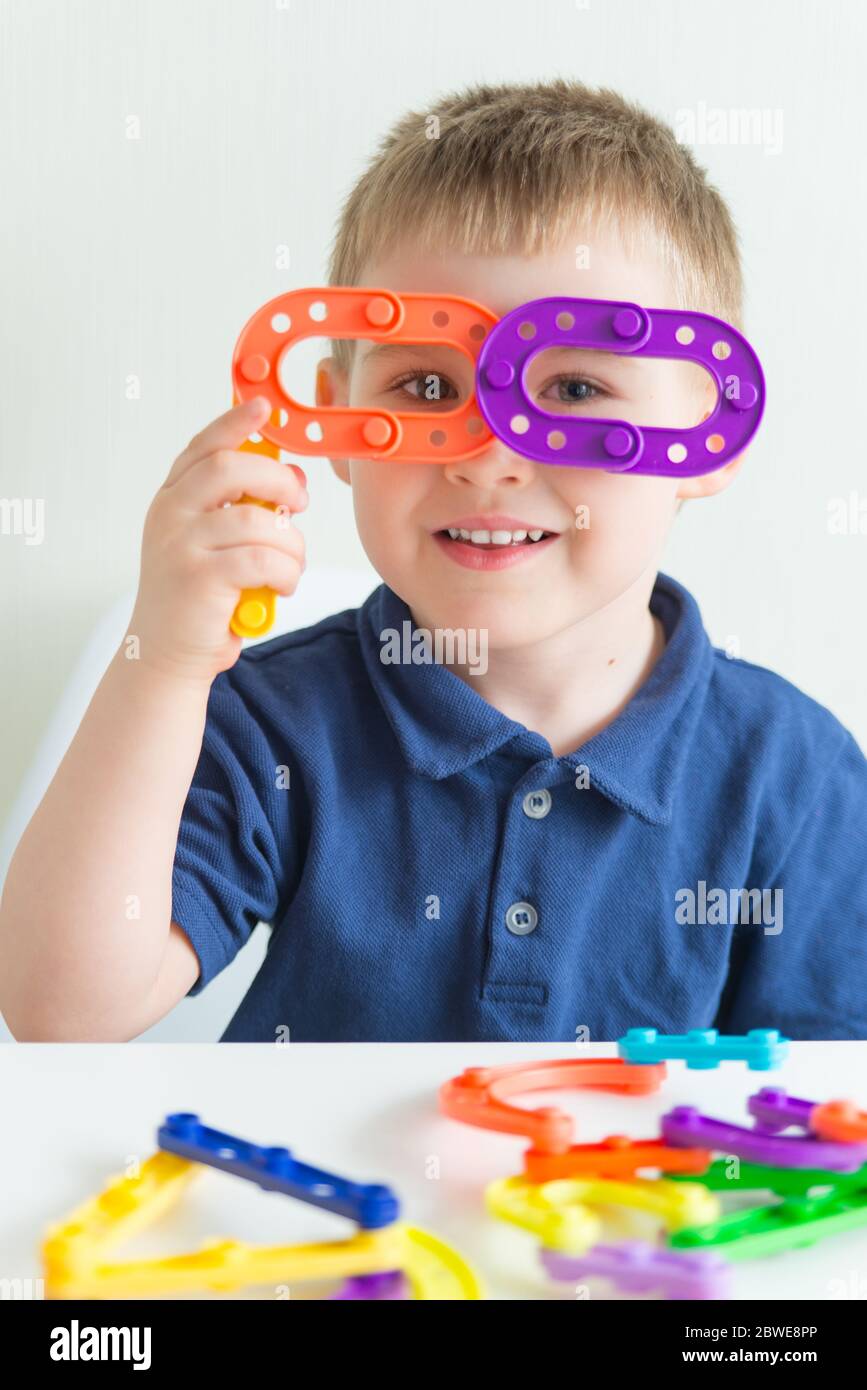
column 75, row 1115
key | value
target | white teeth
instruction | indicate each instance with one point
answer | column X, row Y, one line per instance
column 482, row 537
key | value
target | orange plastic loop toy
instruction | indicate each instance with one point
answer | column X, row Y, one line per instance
column 378, row 316
column 479, row 1096
column 615, row 1157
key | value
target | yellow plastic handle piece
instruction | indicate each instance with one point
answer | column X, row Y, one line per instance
column 256, row 608
column 677, row 1204
column 562, row 1212
column 567, row 1226
column 126, row 1206
column 434, row 1269
column 226, row 1265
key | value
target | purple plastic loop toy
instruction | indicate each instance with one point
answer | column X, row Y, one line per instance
column 616, row 445
column 687, row 1127
column 774, row 1109
column 637, row 1267
column 392, row 1284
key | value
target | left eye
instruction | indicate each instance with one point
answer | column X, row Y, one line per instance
column 426, row 387
column 572, row 391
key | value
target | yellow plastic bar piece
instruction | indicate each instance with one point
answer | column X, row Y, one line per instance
column 124, row 1208
column 434, row 1270
column 226, row 1265
column 563, row 1212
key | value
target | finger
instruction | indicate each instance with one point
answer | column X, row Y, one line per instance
column 246, row 525
column 228, row 431
column 229, row 475
column 255, row 567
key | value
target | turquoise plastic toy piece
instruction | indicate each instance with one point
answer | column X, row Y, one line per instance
column 704, row 1048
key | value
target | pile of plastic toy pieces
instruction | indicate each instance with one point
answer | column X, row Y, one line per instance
column 384, row 1259
column 818, row 1177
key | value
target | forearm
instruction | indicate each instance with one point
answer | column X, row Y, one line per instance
column 85, row 915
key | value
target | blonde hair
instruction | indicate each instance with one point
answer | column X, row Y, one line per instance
column 505, row 169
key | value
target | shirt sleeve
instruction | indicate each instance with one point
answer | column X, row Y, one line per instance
column 234, row 860
column 810, row 978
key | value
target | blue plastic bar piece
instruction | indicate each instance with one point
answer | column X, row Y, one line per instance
column 703, row 1049
column 371, row 1205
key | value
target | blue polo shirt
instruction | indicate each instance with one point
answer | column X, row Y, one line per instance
column 432, row 872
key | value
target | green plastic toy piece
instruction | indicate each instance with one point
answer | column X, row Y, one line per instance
column 782, row 1226
column 765, row 1177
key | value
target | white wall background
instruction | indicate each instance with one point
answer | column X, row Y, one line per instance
column 143, row 257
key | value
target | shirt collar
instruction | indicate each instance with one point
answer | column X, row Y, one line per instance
column 443, row 726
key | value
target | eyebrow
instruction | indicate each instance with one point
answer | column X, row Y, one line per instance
column 384, row 351
column 602, row 354
column 380, row 352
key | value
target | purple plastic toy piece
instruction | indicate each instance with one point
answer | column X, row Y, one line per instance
column 774, row 1109
column 392, row 1284
column 687, row 1127
column 616, row 445
column 637, row 1267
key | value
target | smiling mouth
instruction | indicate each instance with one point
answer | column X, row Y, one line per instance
column 496, row 539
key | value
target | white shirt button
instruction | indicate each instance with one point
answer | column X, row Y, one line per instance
column 537, row 804
column 521, row 919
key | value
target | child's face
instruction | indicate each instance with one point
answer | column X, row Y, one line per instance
column 524, row 592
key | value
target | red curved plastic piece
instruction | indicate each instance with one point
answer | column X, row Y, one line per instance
column 480, row 1095
column 841, row 1121
column 614, row 1157
column 414, row 436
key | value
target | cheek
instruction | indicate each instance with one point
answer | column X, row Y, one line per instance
column 619, row 520
column 384, row 497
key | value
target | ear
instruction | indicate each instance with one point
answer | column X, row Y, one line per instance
column 709, row 484
column 332, row 388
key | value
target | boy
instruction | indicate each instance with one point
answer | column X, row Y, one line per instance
column 562, row 837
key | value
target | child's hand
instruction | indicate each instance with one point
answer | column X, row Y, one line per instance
column 198, row 553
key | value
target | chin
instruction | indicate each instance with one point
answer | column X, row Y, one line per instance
column 504, row 627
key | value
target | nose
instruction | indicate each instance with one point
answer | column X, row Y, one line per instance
column 497, row 466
